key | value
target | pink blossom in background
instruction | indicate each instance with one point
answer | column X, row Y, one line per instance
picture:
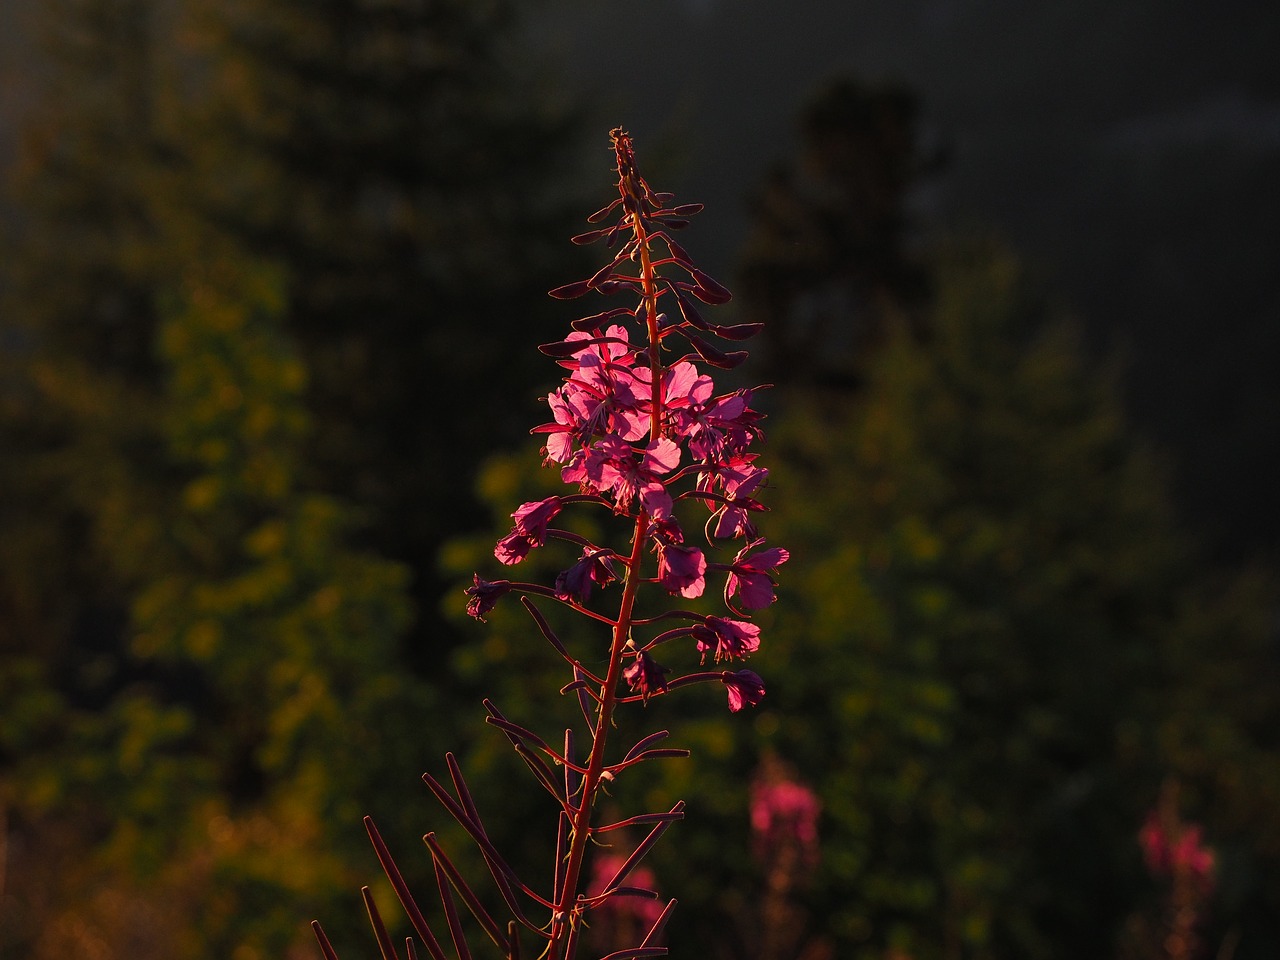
column 1175, row 849
column 785, row 812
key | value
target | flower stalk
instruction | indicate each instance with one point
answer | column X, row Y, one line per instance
column 650, row 440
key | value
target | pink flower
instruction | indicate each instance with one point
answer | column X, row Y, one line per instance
column 728, row 639
column 682, row 569
column 740, row 484
column 601, row 397
column 646, row 676
column 751, row 576
column 594, row 567
column 624, row 476
column 530, row 530
column 744, row 687
column 720, row 427
column 485, row 595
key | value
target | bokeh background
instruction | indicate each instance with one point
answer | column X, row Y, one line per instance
column 272, row 276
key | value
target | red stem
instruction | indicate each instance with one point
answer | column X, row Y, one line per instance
column 565, row 920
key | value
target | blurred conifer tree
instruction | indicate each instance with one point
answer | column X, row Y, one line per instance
column 267, row 251
column 830, row 254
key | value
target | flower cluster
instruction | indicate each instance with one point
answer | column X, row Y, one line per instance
column 639, row 431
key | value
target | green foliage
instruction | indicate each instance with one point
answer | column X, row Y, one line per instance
column 264, row 247
column 980, row 633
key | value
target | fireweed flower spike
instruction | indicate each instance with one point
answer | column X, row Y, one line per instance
column 636, row 427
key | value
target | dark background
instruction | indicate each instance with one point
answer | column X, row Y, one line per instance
column 1131, row 153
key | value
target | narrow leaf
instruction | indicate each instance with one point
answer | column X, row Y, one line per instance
column 379, row 928
column 571, row 781
column 645, row 846
column 451, row 915
column 389, row 867
column 464, row 794
column 659, row 925
column 545, row 628
column 646, row 742
column 541, row 772
column 325, row 946
column 636, row 953
column 468, row 895
column 584, row 700
column 663, row 753
column 562, row 851
column 503, row 875
column 639, row 819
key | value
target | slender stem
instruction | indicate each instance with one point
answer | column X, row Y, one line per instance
column 565, row 920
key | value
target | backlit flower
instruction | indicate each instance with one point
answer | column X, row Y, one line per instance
column 744, row 687
column 726, row 639
column 751, row 576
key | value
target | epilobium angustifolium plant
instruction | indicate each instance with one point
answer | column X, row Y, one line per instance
column 637, row 429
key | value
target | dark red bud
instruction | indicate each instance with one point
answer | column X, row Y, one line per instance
column 685, row 210
column 591, row 236
column 567, row 348
column 602, row 274
column 679, row 253
column 590, row 323
column 717, row 358
column 570, row 291
column 690, row 313
column 738, row 331
column 610, row 287
column 604, row 212
column 719, row 293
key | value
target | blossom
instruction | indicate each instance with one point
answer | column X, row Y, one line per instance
column 594, row 567
column 485, row 595
column 728, row 639
column 620, row 473
column 740, row 480
column 602, row 396
column 646, row 676
column 717, row 427
column 682, row 569
column 744, row 687
column 530, row 530
column 751, row 576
